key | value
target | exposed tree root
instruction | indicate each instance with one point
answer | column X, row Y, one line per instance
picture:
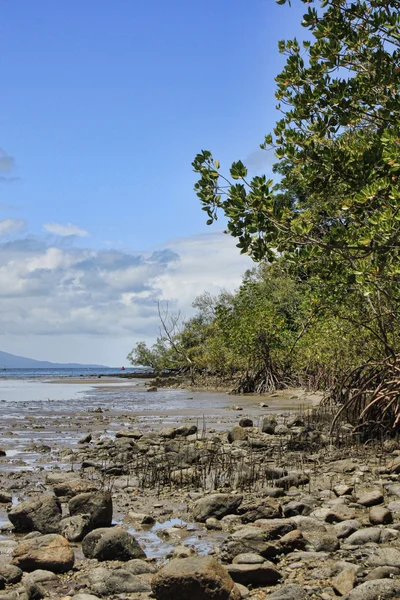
column 369, row 398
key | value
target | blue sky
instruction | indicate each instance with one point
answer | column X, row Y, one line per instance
column 104, row 105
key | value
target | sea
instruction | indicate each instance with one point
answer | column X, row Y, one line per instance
column 84, row 372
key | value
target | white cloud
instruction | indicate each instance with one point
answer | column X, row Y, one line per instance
column 65, row 230
column 53, row 295
column 8, row 226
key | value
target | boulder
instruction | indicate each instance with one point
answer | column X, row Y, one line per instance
column 51, row 552
column 186, row 430
column 37, row 514
column 379, row 515
column 382, row 573
column 197, row 578
column 346, row 528
column 216, row 505
column 73, row 487
column 384, row 557
column 75, row 528
column 248, row 558
column 254, row 574
column 97, row 505
column 133, row 434
column 268, row 424
column 373, row 590
column 10, row 573
column 111, row 544
column 345, row 581
column 5, row 497
column 364, row 536
column 246, row 422
column 371, row 498
column 106, row 582
column 236, row 434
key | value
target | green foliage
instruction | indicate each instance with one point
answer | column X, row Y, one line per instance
column 335, row 213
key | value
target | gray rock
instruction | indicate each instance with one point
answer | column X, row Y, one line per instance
column 248, row 558
column 373, row 590
column 72, row 487
column 10, row 573
column 379, row 515
column 137, row 566
column 75, row 528
column 85, row 597
column 371, row 498
column 39, row 576
column 343, row 490
column 382, row 573
column 216, row 505
column 394, row 506
column 326, row 543
column 197, row 578
column 282, row 430
column 111, row 544
column 186, row 430
column 294, row 508
column 109, row 582
column 384, row 557
column 364, row 536
column 37, row 514
column 308, row 523
column 291, row 591
column 50, row 552
column 254, row 574
column 346, row 528
column 97, row 505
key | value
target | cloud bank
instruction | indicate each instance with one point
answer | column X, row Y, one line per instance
column 79, row 304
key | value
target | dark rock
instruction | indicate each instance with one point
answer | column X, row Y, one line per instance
column 111, row 544
column 246, row 422
column 97, row 505
column 216, row 505
column 86, row 439
column 72, row 487
column 254, row 574
column 37, row 514
column 268, row 424
column 236, row 434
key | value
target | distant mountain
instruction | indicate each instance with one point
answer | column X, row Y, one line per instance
column 10, row 361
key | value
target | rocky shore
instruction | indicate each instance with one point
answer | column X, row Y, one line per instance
column 268, row 507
